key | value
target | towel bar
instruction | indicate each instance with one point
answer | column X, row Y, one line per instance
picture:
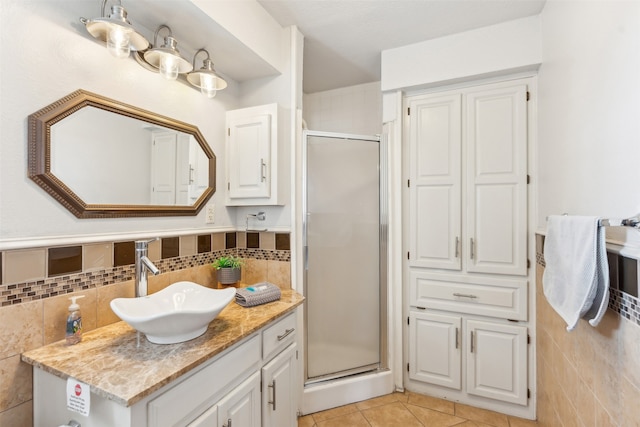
column 628, row 222
column 614, row 222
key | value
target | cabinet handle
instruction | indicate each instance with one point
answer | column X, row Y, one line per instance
column 456, row 294
column 457, row 247
column 287, row 332
column 471, row 248
column 457, row 331
column 471, row 333
column 263, row 169
column 273, row 386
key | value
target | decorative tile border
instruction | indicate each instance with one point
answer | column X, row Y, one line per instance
column 16, row 293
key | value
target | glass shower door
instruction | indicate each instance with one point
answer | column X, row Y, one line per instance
column 342, row 255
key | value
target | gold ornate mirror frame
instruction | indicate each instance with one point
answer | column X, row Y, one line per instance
column 39, row 157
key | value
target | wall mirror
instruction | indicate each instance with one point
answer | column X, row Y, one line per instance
column 101, row 158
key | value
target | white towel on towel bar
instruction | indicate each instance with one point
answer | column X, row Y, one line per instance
column 576, row 276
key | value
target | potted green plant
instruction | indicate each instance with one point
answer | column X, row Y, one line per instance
column 228, row 269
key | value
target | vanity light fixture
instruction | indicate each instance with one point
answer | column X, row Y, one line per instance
column 166, row 57
column 116, row 31
column 206, row 77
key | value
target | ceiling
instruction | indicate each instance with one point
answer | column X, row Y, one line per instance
column 344, row 38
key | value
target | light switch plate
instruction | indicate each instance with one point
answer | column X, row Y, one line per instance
column 210, row 214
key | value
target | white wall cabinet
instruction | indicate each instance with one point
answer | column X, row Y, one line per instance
column 467, row 270
column 257, row 156
column 493, row 356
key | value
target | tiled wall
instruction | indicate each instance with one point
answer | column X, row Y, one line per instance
column 590, row 377
column 36, row 285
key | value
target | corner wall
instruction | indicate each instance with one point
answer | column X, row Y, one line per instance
column 589, row 153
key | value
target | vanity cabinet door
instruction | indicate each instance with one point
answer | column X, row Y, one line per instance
column 241, row 407
column 208, row 419
column 278, row 395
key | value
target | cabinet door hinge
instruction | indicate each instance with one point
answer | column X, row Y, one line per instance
column 407, row 367
column 407, row 320
column 528, row 393
column 528, row 263
column 528, row 95
column 228, row 131
column 528, row 339
column 408, row 255
column 296, row 354
column 408, row 183
column 528, row 179
column 228, row 186
column 409, row 111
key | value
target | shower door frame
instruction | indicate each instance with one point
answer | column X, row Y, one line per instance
column 382, row 365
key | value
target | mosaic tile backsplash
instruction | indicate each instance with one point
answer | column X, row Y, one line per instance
column 63, row 272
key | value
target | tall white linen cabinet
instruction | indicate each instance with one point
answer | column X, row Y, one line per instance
column 467, row 268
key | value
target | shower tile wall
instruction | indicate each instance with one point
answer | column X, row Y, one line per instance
column 590, row 376
column 34, row 292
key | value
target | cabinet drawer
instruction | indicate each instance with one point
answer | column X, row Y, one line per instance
column 188, row 398
column 278, row 336
column 486, row 296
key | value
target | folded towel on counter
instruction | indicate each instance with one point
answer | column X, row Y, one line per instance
column 260, row 293
column 576, row 276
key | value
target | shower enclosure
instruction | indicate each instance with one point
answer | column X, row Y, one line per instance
column 344, row 256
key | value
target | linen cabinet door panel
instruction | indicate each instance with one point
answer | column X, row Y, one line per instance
column 497, row 361
column 496, row 183
column 241, row 407
column 435, row 182
column 434, row 349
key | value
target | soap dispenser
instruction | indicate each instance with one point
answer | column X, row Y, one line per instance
column 74, row 322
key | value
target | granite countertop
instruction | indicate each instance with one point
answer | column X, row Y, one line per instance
column 109, row 360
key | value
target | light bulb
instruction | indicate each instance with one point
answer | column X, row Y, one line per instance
column 118, row 43
column 207, row 85
column 169, row 67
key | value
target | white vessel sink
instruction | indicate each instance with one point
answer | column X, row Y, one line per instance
column 180, row 312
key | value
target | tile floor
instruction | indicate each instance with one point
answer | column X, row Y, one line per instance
column 409, row 410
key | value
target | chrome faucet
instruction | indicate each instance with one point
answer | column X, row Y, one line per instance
column 142, row 264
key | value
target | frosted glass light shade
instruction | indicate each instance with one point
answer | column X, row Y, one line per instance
column 117, row 32
column 118, row 42
column 206, row 78
column 167, row 59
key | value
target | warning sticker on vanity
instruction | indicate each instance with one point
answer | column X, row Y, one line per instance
column 78, row 397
